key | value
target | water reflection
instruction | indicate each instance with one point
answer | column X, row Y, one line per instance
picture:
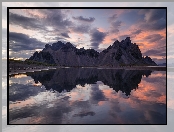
column 88, row 96
column 67, row 79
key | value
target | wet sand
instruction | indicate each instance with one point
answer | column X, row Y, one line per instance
column 152, row 68
column 16, row 71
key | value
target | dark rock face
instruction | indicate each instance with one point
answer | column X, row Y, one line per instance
column 149, row 61
column 45, row 57
column 88, row 52
column 163, row 64
column 55, row 46
column 119, row 54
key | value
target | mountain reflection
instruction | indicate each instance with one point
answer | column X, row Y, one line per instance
column 67, row 78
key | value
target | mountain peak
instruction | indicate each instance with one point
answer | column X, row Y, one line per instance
column 119, row 53
column 68, row 44
column 54, row 46
column 127, row 38
column 115, row 44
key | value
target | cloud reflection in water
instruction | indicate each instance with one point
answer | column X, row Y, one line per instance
column 89, row 96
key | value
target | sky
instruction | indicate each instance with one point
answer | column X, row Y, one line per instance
column 31, row 29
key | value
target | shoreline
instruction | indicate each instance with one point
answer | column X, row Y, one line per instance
column 152, row 68
column 17, row 71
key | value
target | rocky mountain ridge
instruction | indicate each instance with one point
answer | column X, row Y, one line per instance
column 119, row 54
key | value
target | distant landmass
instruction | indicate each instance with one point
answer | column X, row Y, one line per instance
column 163, row 64
column 118, row 54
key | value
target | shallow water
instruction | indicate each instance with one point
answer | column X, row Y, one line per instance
column 88, row 96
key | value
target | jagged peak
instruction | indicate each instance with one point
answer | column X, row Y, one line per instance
column 147, row 57
column 116, row 42
column 47, row 46
column 130, row 52
column 127, row 38
column 59, row 42
column 114, row 45
column 58, row 45
column 69, row 44
column 36, row 52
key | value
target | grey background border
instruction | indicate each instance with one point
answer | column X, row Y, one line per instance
column 92, row 128
column 89, row 1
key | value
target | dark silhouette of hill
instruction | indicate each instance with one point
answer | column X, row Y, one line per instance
column 118, row 54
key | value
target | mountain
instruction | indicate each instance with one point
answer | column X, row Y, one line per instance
column 119, row 54
column 163, row 64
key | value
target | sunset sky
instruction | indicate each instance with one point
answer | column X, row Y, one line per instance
column 31, row 29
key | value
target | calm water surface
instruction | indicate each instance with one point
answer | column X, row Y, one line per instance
column 88, row 96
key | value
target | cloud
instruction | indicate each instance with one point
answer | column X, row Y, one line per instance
column 81, row 104
column 154, row 19
column 65, row 35
column 156, row 26
column 155, row 53
column 23, row 54
column 159, row 61
column 56, row 39
column 52, row 23
column 39, row 20
column 123, row 37
column 154, row 38
column 136, row 32
column 22, row 92
column 125, row 20
column 113, row 18
column 20, row 41
column 82, row 19
column 115, row 106
column 81, row 28
column 84, row 113
column 50, row 115
column 25, row 22
column 132, row 34
column 159, row 53
column 97, row 37
column 34, row 13
column 115, row 26
column 159, row 81
column 97, row 95
column 56, row 18
column 154, row 14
